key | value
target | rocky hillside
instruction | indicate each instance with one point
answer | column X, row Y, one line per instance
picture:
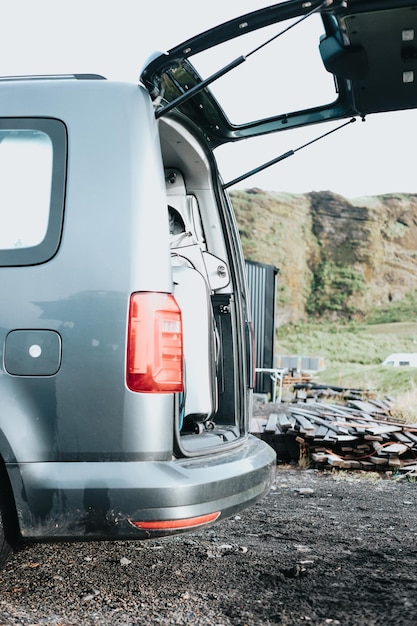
column 336, row 257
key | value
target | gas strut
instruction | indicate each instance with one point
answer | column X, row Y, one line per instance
column 284, row 156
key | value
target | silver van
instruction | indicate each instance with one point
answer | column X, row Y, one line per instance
column 125, row 332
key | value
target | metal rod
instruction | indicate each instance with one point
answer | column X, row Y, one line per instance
column 284, row 156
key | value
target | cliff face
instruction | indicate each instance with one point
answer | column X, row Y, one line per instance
column 346, row 255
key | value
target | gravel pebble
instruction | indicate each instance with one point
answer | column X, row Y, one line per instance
column 345, row 556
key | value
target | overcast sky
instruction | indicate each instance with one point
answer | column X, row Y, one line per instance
column 116, row 38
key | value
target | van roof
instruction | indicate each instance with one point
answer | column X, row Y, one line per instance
column 53, row 77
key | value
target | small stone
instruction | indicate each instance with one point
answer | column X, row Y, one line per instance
column 211, row 555
column 301, row 548
column 90, row 596
column 226, row 547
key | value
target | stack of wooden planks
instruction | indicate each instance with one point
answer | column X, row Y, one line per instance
column 294, row 378
column 358, row 435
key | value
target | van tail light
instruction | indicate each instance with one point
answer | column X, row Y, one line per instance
column 154, row 344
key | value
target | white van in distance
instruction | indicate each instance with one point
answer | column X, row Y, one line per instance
column 401, row 359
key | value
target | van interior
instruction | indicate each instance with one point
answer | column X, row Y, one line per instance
column 208, row 410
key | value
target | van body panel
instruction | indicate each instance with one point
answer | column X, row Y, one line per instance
column 102, row 266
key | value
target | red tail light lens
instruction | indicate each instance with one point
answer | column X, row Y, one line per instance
column 154, row 347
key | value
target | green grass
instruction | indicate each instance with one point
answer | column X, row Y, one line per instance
column 353, row 353
column 382, row 380
column 404, row 310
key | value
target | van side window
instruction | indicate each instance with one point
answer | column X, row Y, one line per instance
column 25, row 187
column 32, row 176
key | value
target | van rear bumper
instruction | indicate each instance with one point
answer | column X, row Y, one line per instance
column 103, row 500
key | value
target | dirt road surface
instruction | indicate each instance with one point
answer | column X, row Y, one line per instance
column 321, row 548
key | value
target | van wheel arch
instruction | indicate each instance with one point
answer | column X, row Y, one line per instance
column 9, row 526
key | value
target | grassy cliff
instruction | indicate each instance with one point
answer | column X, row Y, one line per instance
column 337, row 258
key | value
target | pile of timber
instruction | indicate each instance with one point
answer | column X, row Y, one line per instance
column 308, row 390
column 358, row 435
column 295, row 379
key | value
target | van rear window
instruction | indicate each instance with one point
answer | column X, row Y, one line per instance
column 32, row 183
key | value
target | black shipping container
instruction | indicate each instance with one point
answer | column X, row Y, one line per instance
column 262, row 284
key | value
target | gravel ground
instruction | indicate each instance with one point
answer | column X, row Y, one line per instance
column 321, row 548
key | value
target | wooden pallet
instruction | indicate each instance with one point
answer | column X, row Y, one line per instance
column 301, row 378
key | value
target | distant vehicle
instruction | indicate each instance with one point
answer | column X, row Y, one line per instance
column 127, row 362
column 401, row 359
